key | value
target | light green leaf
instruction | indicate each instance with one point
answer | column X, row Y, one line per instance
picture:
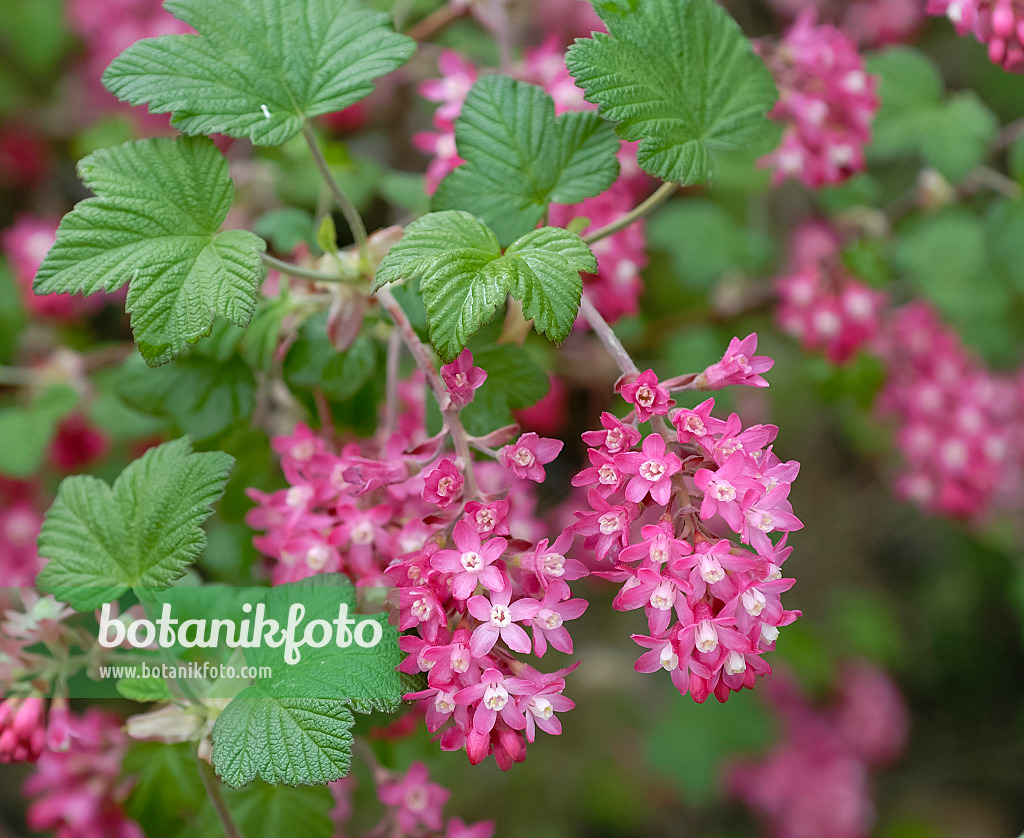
column 520, row 157
column 514, row 381
column 166, row 790
column 282, row 739
column 464, row 277
column 312, row 361
column 295, row 727
column 153, row 688
column 263, row 809
column 952, row 134
column 679, row 76
column 258, row 68
column 145, row 530
column 547, row 278
column 27, row 431
column 154, row 223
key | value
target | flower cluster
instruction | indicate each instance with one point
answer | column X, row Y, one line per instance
column 999, row 24
column 869, row 22
column 616, row 288
column 713, row 607
column 108, row 28
column 826, row 102
column 820, row 302
column 815, row 783
column 456, row 540
column 414, row 806
column 79, row 791
column 25, row 243
column 959, row 424
column 20, row 523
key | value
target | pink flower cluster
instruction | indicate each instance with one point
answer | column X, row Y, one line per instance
column 999, row 24
column 713, row 607
column 820, row 302
column 415, row 806
column 25, row 244
column 106, row 28
column 815, row 783
column 457, row 541
column 616, row 287
column 826, row 102
column 20, row 523
column 868, row 22
column 959, row 424
column 79, row 791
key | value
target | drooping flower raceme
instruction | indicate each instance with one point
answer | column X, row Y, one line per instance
column 826, row 102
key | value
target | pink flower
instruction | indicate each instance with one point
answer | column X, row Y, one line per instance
column 555, row 609
column 616, row 436
column 997, row 23
column 77, row 444
column 606, row 527
column 488, row 518
column 462, row 378
column 22, row 729
column 419, row 802
column 526, row 458
column 472, row 562
column 647, row 396
column 653, row 470
column 458, row 76
column 78, row 792
column 443, row 484
column 739, row 365
column 827, row 101
column 697, row 425
column 494, row 693
column 549, row 563
column 499, row 618
column 456, row 828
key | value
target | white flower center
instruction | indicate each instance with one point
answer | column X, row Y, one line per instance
column 471, row 562
column 663, row 597
column 753, row 602
column 362, row 533
column 735, row 663
column 707, row 636
column 485, row 520
column 550, row 619
column 769, row 633
column 669, row 659
column 613, row 440
column 444, row 703
column 420, row 608
column 541, row 707
column 722, row 491
column 645, row 396
column 416, row 799
column 553, row 564
column 317, row 556
column 445, row 486
column 694, row 425
column 711, row 569
column 652, row 470
column 302, row 451
column 500, row 616
column 610, row 522
column 524, row 456
column 607, row 475
column 495, row 697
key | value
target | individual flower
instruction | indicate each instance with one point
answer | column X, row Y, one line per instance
column 443, row 484
column 499, row 617
column 527, row 457
column 462, row 378
column 418, row 802
column 739, row 365
column 472, row 562
column 647, row 396
column 653, row 470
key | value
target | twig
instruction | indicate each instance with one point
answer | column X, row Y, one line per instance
column 302, row 273
column 425, row 361
column 655, row 199
column 433, row 23
column 391, row 383
column 348, row 209
column 212, row 785
column 608, row 337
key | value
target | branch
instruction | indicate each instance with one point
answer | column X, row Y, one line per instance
column 212, row 785
column 348, row 209
column 424, row 358
column 302, row 273
column 653, row 201
column 607, row 337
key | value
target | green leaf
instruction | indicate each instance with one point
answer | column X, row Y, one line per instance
column 259, row 68
column 262, row 809
column 704, row 242
column 514, row 381
column 153, row 688
column 283, row 739
column 1004, row 234
column 520, row 157
column 154, row 223
column 952, row 134
column 295, row 727
column 167, row 787
column 202, row 396
column 680, row 77
column 27, row 431
column 313, row 362
column 464, row 277
column 285, row 228
column 145, row 530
